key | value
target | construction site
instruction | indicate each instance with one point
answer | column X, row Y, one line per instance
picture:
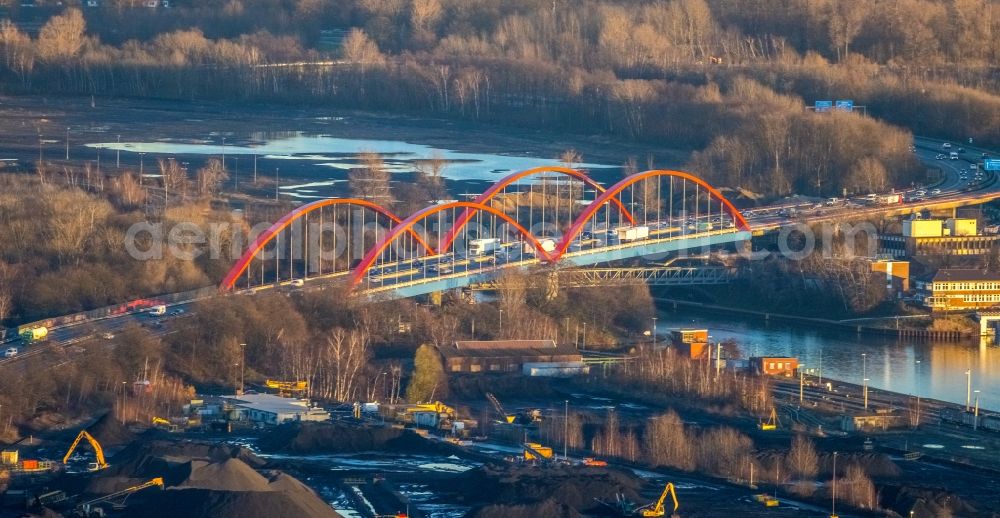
column 542, row 449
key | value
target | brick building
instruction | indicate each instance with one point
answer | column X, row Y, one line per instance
column 960, row 290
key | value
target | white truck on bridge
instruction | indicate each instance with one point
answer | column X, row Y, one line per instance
column 548, row 245
column 483, row 246
column 890, row 199
column 627, row 234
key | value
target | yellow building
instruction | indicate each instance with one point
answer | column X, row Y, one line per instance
column 961, row 290
column 935, row 237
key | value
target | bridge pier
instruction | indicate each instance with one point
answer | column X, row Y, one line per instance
column 552, row 285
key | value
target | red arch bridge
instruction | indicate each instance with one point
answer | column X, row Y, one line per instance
column 547, row 215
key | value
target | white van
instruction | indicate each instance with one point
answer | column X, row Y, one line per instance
column 953, row 156
column 158, row 311
column 298, row 283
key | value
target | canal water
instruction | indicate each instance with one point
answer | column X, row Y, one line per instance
column 924, row 368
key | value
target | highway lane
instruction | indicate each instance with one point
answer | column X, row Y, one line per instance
column 952, row 187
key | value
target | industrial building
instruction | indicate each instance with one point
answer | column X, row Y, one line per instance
column 272, row 409
column 774, row 365
column 957, row 289
column 528, row 357
column 937, row 237
column 691, row 343
column 897, row 274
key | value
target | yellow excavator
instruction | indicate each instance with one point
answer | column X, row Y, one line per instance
column 87, row 508
column 772, row 422
column 287, row 388
column 658, row 509
column 98, row 451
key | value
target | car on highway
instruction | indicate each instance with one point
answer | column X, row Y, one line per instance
column 108, row 335
column 985, row 155
column 936, row 191
column 177, row 312
column 298, row 283
column 10, row 352
column 921, row 192
column 946, row 145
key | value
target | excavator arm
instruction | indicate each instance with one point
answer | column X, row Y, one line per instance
column 158, row 481
column 98, row 451
column 658, row 509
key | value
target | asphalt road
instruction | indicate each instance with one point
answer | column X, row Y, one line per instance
column 953, row 187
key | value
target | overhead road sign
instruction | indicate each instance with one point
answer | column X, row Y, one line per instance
column 991, row 164
column 823, row 106
column 845, row 105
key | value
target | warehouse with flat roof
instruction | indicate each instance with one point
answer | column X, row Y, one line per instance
column 528, row 357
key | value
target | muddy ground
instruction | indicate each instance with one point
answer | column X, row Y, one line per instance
column 36, row 127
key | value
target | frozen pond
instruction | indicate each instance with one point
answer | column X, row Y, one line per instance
column 328, row 159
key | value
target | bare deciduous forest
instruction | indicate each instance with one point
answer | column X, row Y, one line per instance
column 729, row 78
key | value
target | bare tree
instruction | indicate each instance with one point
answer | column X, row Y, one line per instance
column 371, row 180
column 62, row 36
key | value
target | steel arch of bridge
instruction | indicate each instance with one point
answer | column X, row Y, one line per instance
column 607, row 196
column 272, row 232
column 407, row 226
column 509, row 180
column 577, row 227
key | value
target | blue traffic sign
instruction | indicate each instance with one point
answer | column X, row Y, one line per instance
column 991, row 164
column 845, row 105
column 823, row 106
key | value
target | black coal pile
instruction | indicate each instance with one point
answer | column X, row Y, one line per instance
column 545, row 509
column 206, row 480
column 574, row 487
column 110, row 432
column 307, row 438
column 929, row 503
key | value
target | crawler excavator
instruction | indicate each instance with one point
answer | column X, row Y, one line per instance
column 98, row 451
column 657, row 509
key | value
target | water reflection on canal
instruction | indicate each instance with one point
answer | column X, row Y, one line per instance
column 928, row 369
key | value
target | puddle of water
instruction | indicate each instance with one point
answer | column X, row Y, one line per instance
column 340, row 154
column 423, row 499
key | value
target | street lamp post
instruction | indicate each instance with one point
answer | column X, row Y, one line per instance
column 968, row 389
column 866, row 394
column 501, row 323
column 118, row 153
column 833, row 501
column 243, row 360
column 566, row 432
column 67, row 142
column 654, row 332
column 801, row 384
column 975, row 422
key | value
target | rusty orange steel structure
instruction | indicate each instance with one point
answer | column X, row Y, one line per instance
column 402, row 227
column 265, row 237
column 496, row 188
column 407, row 226
column 617, row 188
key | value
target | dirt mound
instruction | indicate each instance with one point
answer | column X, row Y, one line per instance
column 198, row 503
column 110, row 432
column 228, row 475
column 571, row 486
column 342, row 438
column 546, row 509
column 923, row 502
column 206, row 479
